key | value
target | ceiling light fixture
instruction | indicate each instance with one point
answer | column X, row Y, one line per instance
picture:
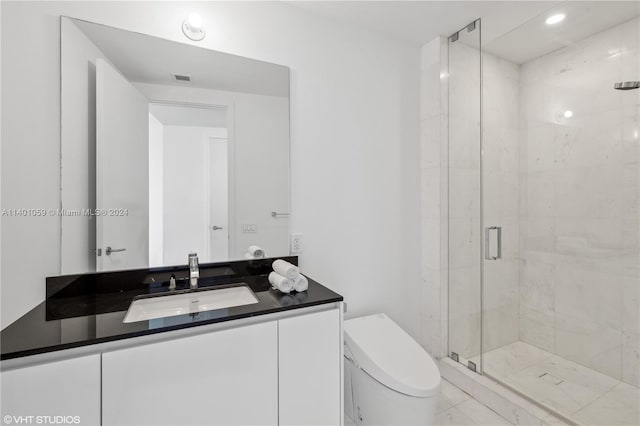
column 193, row 27
column 554, row 19
column 568, row 114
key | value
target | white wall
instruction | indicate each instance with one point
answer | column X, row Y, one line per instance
column 30, row 160
column 354, row 142
column 156, row 198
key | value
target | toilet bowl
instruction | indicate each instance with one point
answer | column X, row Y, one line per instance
column 389, row 378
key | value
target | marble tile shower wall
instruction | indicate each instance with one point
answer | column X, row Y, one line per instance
column 500, row 185
column 501, row 199
column 464, row 198
column 580, row 186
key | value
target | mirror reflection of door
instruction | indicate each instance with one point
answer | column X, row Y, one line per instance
column 173, row 184
column 122, row 182
column 219, row 199
column 189, row 183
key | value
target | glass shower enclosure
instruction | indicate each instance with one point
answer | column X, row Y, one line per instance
column 543, row 209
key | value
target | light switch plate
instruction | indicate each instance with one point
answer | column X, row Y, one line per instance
column 296, row 243
column 249, row 228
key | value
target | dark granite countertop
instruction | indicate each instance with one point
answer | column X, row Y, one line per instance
column 87, row 309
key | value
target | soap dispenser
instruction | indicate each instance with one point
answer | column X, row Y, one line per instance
column 194, row 271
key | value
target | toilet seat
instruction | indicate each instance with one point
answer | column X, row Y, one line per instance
column 388, row 354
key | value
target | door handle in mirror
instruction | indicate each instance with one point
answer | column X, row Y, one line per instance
column 216, row 227
column 109, row 250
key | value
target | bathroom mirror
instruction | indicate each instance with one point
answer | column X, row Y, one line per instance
column 167, row 149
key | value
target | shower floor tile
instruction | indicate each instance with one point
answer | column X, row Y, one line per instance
column 575, row 391
column 571, row 388
column 619, row 406
column 513, row 358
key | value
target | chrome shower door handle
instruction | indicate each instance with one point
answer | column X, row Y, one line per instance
column 487, row 242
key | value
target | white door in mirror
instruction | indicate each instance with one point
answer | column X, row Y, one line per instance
column 189, row 303
column 122, row 181
column 218, row 199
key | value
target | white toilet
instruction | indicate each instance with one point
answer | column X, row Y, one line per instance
column 389, row 378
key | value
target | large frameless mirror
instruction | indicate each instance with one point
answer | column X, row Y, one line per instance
column 167, row 149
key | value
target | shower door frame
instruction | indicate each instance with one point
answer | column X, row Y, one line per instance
column 477, row 366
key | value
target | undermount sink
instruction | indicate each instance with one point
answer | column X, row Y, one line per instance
column 189, row 302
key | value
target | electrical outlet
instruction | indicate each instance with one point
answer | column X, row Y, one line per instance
column 296, row 243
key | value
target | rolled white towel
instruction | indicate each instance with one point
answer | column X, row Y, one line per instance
column 300, row 283
column 286, row 269
column 256, row 252
column 283, row 284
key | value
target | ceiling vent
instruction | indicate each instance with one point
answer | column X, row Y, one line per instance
column 182, row 77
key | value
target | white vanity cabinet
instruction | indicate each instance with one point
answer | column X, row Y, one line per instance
column 66, row 391
column 226, row 377
column 285, row 368
column 310, row 385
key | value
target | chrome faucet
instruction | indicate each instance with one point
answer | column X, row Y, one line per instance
column 194, row 270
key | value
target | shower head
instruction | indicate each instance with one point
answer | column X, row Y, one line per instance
column 626, row 85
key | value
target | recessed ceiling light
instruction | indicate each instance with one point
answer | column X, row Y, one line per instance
column 568, row 114
column 195, row 20
column 554, row 19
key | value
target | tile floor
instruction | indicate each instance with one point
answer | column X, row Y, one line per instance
column 586, row 396
column 455, row 407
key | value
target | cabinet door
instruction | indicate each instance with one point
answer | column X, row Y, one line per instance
column 310, row 388
column 67, row 391
column 227, row 377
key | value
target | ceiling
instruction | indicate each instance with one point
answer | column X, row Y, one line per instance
column 181, row 115
column 419, row 22
column 146, row 59
column 583, row 19
column 514, row 30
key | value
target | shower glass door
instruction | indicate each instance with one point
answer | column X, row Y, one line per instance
column 560, row 191
column 464, row 174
